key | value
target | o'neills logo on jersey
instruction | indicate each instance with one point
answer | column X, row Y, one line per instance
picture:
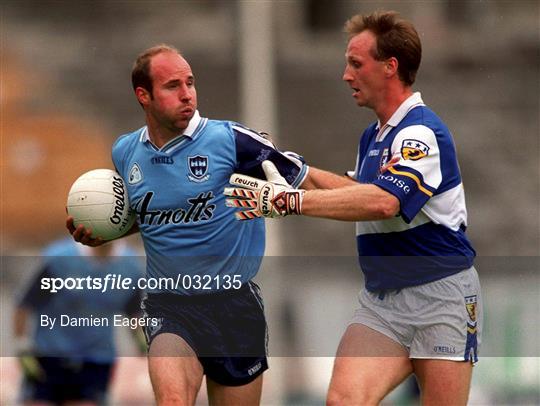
column 198, row 209
column 162, row 160
column 119, row 201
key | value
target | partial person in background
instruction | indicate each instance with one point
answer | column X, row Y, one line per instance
column 421, row 309
column 175, row 168
column 65, row 335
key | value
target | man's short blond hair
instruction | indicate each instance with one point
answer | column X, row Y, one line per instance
column 395, row 37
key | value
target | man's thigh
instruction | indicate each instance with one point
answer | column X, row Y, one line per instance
column 248, row 395
column 368, row 366
column 443, row 382
column 175, row 371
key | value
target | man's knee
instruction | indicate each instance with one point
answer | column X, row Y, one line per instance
column 334, row 398
column 178, row 395
column 343, row 397
column 169, row 399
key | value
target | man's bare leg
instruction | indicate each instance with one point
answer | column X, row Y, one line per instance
column 245, row 395
column 175, row 371
column 368, row 366
column 443, row 382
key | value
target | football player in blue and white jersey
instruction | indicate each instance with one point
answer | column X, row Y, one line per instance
column 421, row 310
column 199, row 257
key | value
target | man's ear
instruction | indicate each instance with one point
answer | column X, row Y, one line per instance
column 143, row 96
column 391, row 66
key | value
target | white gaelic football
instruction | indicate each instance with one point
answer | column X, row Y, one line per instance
column 98, row 199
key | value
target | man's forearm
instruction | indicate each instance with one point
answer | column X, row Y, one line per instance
column 320, row 179
column 359, row 202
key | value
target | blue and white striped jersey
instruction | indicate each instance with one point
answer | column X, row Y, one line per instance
column 427, row 240
column 177, row 192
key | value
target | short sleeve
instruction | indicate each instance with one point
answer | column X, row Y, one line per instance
column 118, row 153
column 115, row 155
column 417, row 175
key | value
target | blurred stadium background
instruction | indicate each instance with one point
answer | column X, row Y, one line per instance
column 66, row 95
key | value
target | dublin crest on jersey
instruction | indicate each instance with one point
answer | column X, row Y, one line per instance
column 198, row 168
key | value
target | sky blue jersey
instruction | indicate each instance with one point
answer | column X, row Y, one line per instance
column 193, row 242
column 426, row 241
column 84, row 318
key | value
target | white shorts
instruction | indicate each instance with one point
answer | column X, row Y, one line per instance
column 437, row 320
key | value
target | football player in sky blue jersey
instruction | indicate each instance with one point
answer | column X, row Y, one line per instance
column 70, row 354
column 421, row 310
column 175, row 168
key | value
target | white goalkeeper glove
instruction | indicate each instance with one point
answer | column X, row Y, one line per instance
column 271, row 198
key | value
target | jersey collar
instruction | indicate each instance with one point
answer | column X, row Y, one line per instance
column 188, row 132
column 410, row 103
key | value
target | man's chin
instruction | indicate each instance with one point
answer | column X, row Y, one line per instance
column 182, row 123
column 361, row 103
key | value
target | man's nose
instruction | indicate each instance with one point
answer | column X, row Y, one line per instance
column 185, row 94
column 185, row 97
column 347, row 77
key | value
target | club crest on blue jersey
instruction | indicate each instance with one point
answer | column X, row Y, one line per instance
column 135, row 175
column 384, row 157
column 414, row 149
column 198, row 168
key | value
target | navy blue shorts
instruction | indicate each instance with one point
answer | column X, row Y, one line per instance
column 227, row 330
column 69, row 380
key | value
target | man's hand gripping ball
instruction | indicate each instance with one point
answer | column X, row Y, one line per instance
column 271, row 198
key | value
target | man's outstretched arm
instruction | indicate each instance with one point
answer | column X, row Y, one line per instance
column 359, row 202
column 350, row 201
column 320, row 179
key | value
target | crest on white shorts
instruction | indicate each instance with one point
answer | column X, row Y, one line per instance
column 471, row 306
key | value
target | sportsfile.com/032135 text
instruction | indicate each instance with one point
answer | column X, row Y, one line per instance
column 118, row 282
